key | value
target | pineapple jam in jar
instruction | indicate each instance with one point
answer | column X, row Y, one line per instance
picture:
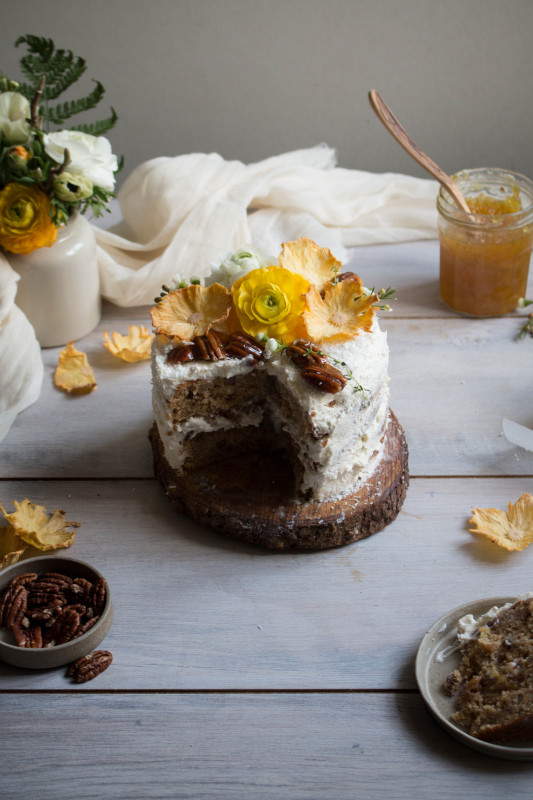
column 484, row 257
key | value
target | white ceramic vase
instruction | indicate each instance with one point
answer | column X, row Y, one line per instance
column 59, row 286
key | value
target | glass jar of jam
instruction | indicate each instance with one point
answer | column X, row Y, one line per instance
column 484, row 256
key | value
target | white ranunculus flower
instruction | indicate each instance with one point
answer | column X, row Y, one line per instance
column 234, row 265
column 90, row 156
column 14, row 112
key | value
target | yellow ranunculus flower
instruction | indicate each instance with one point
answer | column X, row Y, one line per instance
column 271, row 301
column 25, row 223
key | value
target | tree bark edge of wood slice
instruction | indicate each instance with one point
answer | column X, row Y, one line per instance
column 251, row 500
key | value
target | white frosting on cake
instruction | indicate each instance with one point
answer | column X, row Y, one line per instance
column 338, row 438
column 468, row 626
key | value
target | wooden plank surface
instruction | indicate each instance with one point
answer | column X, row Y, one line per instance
column 241, row 747
column 452, row 382
column 243, row 673
column 195, row 610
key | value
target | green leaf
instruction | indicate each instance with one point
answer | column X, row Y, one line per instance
column 58, row 83
column 61, row 69
column 98, row 128
column 64, row 111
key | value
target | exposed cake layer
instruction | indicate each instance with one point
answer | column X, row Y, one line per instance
column 202, row 398
column 496, row 676
column 336, row 439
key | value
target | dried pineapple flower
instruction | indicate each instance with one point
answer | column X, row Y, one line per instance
column 131, row 348
column 344, row 310
column 191, row 311
column 316, row 264
column 512, row 530
column 11, row 546
column 73, row 372
column 37, row 528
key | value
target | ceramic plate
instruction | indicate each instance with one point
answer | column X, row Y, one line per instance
column 432, row 669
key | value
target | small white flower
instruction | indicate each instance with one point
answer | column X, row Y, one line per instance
column 234, row 265
column 271, row 347
column 14, row 112
column 523, row 302
column 90, row 156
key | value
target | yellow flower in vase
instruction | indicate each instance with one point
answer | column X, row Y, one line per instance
column 25, row 222
column 271, row 302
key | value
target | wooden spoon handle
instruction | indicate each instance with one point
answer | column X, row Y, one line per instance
column 402, row 137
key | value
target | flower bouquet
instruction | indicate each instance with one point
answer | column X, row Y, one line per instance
column 46, row 176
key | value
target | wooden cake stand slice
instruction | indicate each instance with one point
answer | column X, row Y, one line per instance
column 251, row 497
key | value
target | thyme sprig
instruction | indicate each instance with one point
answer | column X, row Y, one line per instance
column 336, row 271
column 527, row 327
column 384, row 294
column 346, row 371
column 348, row 374
column 177, row 283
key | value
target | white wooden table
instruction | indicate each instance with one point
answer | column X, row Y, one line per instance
column 240, row 673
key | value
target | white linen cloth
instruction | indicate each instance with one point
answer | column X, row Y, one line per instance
column 182, row 213
column 185, row 212
column 21, row 367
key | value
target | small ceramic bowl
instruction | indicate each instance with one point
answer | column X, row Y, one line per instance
column 61, row 654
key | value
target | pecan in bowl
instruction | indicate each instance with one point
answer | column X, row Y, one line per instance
column 53, row 611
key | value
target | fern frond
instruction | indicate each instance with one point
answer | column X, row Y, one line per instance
column 97, row 128
column 60, row 67
column 37, row 45
column 64, row 111
column 57, row 84
column 35, row 63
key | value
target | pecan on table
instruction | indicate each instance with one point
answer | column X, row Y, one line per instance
column 324, row 377
column 88, row 667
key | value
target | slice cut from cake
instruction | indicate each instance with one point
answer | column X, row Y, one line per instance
column 495, row 676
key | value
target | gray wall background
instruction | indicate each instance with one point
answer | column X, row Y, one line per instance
column 252, row 78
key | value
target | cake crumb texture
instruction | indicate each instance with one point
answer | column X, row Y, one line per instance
column 495, row 701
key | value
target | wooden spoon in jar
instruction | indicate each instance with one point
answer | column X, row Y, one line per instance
column 402, row 137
